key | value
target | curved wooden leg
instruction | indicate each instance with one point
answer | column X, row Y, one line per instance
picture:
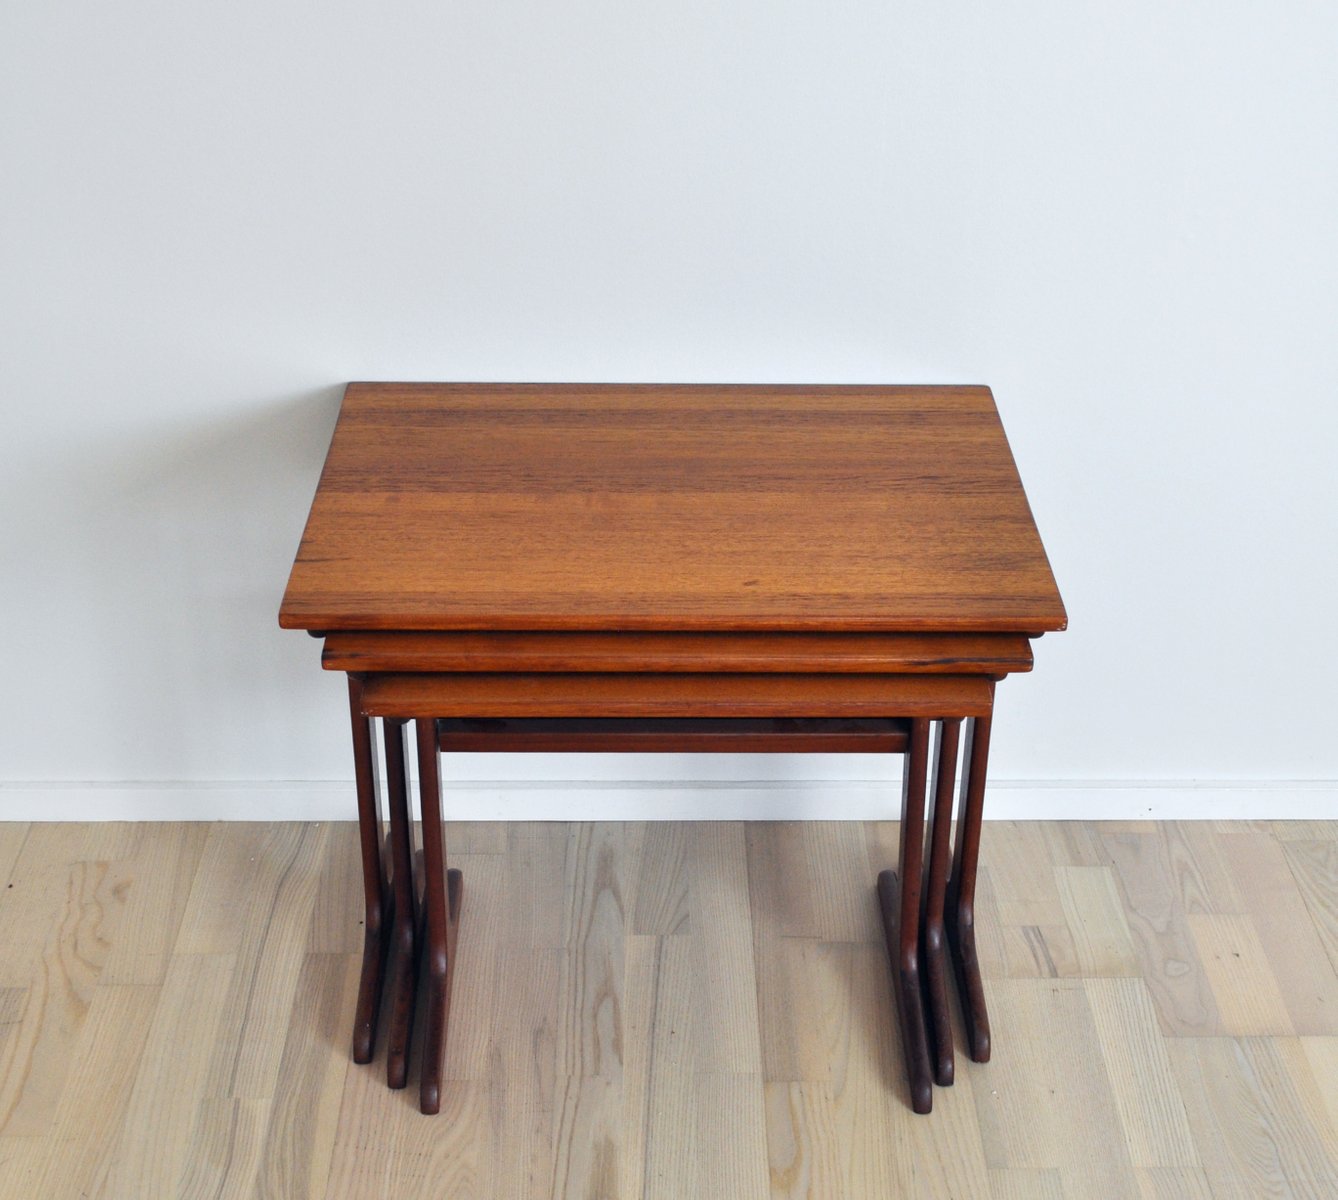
column 442, row 895
column 933, row 938
column 403, row 934
column 899, row 899
column 962, row 891
column 377, row 901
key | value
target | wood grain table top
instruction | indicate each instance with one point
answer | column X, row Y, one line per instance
column 672, row 508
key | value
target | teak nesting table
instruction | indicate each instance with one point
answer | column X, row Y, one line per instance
column 539, row 567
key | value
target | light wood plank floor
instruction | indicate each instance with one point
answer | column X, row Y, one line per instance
column 669, row 1010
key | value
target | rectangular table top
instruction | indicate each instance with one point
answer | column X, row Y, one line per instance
column 670, row 507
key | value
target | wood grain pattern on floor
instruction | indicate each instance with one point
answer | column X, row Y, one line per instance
column 649, row 1011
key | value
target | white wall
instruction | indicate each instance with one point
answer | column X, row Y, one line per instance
column 1122, row 217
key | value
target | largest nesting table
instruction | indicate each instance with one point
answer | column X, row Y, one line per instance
column 538, row 567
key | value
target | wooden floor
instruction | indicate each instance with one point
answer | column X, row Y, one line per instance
column 669, row 1010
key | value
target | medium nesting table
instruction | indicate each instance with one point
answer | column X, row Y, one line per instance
column 541, row 567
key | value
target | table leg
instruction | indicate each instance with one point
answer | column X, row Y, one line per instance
column 933, row 940
column 962, row 890
column 442, row 893
column 403, row 947
column 378, row 903
column 899, row 898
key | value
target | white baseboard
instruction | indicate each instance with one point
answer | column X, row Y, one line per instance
column 697, row 800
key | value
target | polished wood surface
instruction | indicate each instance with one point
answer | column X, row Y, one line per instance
column 658, row 507
column 199, row 1047
column 675, row 695
column 867, row 653
column 598, row 566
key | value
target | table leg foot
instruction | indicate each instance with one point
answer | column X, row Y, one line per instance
column 935, row 952
column 369, row 994
column 437, row 1016
column 933, row 938
column 401, row 992
column 961, row 899
column 376, row 944
column 970, row 986
column 907, row 992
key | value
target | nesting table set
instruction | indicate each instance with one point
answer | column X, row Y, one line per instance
column 553, row 567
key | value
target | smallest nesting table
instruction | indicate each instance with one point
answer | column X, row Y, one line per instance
column 606, row 567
